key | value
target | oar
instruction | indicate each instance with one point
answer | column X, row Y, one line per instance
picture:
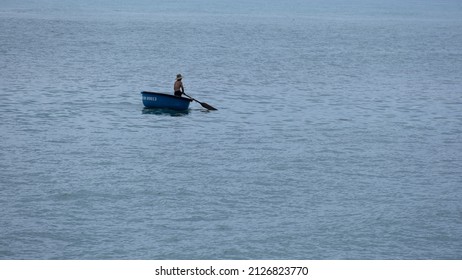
column 203, row 104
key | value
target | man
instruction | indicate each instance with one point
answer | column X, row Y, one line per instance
column 178, row 86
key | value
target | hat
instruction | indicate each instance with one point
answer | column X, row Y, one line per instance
column 179, row 77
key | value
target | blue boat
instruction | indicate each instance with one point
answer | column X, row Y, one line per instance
column 165, row 101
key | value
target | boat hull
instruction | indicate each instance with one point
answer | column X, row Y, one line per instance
column 163, row 100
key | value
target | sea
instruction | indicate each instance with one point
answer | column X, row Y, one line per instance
column 338, row 133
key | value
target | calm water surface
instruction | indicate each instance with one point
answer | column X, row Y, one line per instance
column 338, row 134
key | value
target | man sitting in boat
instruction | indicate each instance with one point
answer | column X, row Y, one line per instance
column 178, row 86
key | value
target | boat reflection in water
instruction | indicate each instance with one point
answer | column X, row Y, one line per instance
column 164, row 112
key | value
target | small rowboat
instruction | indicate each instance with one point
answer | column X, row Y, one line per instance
column 165, row 101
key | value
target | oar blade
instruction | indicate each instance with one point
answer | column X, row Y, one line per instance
column 207, row 106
